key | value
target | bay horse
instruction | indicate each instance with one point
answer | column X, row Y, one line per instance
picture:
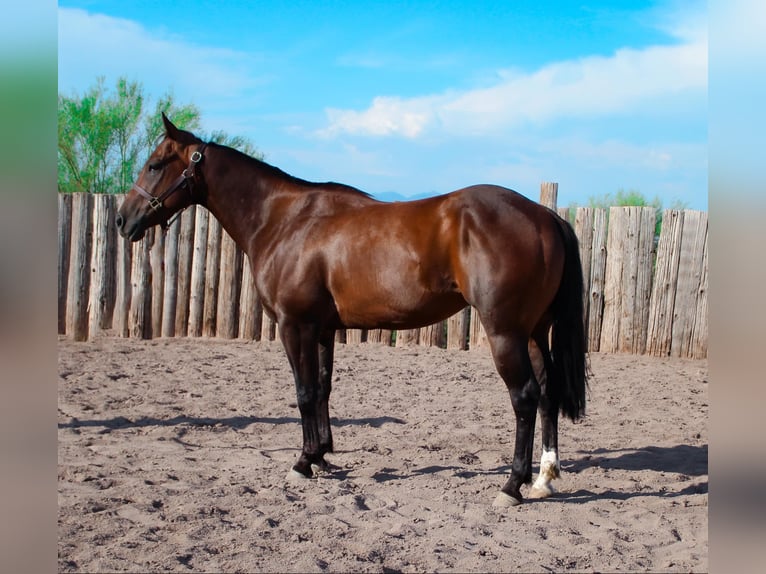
column 327, row 256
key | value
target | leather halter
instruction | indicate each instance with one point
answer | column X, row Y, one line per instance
column 186, row 179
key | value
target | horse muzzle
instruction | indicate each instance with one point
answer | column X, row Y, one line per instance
column 132, row 229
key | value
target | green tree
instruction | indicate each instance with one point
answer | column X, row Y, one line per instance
column 632, row 198
column 104, row 137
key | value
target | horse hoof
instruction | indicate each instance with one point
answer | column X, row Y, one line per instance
column 503, row 500
column 541, row 491
column 294, row 475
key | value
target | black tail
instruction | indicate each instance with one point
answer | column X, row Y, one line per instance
column 569, row 342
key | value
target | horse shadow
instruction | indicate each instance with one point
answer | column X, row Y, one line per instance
column 234, row 423
column 680, row 459
column 686, row 460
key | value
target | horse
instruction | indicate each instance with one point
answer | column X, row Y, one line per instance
column 327, row 256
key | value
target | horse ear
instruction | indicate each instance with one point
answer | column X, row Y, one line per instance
column 170, row 130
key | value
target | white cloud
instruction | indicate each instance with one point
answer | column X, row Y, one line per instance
column 386, row 116
column 593, row 86
column 92, row 45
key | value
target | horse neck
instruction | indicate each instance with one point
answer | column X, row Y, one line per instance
column 245, row 195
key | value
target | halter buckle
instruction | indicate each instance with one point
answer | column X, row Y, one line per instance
column 196, row 157
column 155, row 204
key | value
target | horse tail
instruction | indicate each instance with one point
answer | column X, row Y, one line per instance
column 568, row 338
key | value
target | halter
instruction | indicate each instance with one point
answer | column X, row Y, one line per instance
column 186, row 179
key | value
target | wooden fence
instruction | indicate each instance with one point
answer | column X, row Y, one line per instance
column 642, row 294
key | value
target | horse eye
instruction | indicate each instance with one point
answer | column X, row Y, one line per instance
column 155, row 166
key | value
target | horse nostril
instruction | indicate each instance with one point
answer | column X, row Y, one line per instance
column 119, row 221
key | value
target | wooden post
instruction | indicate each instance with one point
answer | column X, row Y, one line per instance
column 584, row 231
column 356, row 336
column 549, row 193
column 597, row 279
column 688, row 315
column 186, row 245
column 268, row 328
column 457, row 330
column 212, row 277
column 434, row 335
column 477, row 334
column 64, row 246
column 407, row 337
column 660, row 330
column 197, row 288
column 102, row 263
column 170, row 288
column 250, row 309
column 699, row 335
column 157, row 263
column 229, row 288
column 124, row 290
column 379, row 336
column 79, row 267
column 628, row 279
column 140, row 324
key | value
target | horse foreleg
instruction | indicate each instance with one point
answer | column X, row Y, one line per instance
column 301, row 343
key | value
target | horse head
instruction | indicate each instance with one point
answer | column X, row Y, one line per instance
column 169, row 182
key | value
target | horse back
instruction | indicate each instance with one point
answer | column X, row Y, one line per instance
column 409, row 264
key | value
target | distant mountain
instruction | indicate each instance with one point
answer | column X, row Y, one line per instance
column 391, row 196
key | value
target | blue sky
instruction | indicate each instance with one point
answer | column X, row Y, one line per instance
column 420, row 98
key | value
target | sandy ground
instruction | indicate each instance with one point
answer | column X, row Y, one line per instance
column 173, row 456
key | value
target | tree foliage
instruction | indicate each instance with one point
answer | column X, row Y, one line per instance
column 104, row 137
column 632, row 198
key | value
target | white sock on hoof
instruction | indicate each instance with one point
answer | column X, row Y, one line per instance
column 503, row 500
column 542, row 490
column 295, row 475
column 549, row 470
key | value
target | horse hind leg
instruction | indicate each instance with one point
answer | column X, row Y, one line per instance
column 513, row 364
column 326, row 356
column 542, row 365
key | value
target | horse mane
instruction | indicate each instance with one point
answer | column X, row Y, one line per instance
column 273, row 171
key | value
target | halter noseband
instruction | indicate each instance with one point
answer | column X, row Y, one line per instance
column 186, row 179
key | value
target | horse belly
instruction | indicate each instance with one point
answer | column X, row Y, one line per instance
column 397, row 300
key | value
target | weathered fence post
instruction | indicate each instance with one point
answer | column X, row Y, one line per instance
column 141, row 288
column 477, row 334
column 170, row 288
column 690, row 312
column 157, row 262
column 457, row 330
column 212, row 277
column 122, row 279
column 434, row 335
column 597, row 279
column 102, row 264
column 660, row 330
column 229, row 287
column 197, row 293
column 379, row 336
column 79, row 267
column 64, row 244
column 186, row 243
column 549, row 194
column 407, row 337
column 355, row 336
column 584, row 230
column 627, row 287
column 250, row 310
